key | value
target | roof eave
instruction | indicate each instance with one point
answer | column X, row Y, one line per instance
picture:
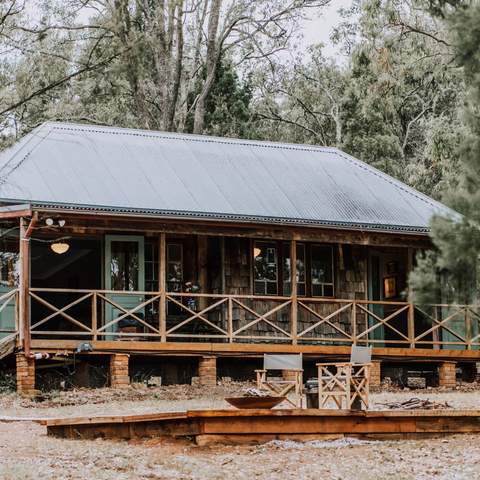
column 225, row 217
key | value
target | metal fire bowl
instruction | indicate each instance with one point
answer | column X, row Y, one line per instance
column 254, row 402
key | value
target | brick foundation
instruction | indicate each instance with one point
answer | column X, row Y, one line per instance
column 119, row 370
column 207, row 371
column 25, row 375
column 375, row 373
column 447, row 376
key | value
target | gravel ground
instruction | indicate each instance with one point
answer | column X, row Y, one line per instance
column 27, row 453
column 33, row 455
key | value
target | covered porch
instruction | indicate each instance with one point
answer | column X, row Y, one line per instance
column 137, row 285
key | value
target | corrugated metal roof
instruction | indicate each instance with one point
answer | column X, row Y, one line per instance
column 88, row 167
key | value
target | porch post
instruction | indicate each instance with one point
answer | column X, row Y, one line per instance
column 411, row 306
column 293, row 290
column 202, row 245
column 24, row 309
column 162, row 285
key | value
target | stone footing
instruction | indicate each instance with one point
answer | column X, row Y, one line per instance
column 447, row 374
column 207, row 371
column 375, row 373
column 25, row 375
column 119, row 377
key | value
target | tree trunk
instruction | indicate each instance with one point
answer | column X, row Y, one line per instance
column 211, row 66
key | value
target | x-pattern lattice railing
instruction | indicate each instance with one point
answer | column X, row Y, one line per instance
column 231, row 318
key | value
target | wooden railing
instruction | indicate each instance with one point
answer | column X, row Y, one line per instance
column 168, row 316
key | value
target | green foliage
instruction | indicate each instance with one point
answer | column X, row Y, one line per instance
column 457, row 240
column 228, row 110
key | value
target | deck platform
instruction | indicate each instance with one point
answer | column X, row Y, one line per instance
column 257, row 426
column 252, row 349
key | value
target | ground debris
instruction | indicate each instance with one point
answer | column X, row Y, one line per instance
column 415, row 404
column 255, row 392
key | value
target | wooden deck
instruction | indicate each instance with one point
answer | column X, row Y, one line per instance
column 250, row 349
column 240, row 426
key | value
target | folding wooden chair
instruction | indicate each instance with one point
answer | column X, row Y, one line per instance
column 291, row 381
column 346, row 384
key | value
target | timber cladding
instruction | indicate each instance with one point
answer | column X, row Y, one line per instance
column 350, row 283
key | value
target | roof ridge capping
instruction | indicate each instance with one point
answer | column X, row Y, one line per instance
column 182, row 135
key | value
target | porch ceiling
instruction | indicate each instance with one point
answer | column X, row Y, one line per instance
column 145, row 173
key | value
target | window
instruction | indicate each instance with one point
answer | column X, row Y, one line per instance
column 265, row 268
column 272, row 269
column 321, row 270
column 151, row 265
column 174, row 267
column 301, row 277
column 124, row 265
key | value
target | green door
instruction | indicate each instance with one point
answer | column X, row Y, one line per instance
column 124, row 272
column 9, row 268
column 375, row 292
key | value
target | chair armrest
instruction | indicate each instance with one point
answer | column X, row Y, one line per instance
column 260, row 371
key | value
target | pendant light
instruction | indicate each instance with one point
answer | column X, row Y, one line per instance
column 60, row 247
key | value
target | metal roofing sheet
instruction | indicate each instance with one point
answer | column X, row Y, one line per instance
column 92, row 167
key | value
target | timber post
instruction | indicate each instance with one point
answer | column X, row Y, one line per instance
column 94, row 316
column 354, row 322
column 230, row 319
column 25, row 234
column 468, row 328
column 411, row 324
column 293, row 291
column 202, row 253
column 411, row 306
column 162, row 285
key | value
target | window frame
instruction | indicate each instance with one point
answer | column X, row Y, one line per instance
column 302, row 245
column 310, row 276
column 167, row 262
column 279, row 273
column 281, row 256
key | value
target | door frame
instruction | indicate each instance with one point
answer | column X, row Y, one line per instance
column 379, row 332
column 107, row 279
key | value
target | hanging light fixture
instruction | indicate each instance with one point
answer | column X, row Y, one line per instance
column 60, row 247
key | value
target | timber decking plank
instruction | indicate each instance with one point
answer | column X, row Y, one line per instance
column 115, row 419
column 253, row 349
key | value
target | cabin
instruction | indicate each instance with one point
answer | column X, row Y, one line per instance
column 209, row 252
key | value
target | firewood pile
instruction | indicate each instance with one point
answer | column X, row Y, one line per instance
column 416, row 404
column 254, row 392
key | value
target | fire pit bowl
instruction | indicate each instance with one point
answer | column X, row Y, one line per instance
column 254, row 402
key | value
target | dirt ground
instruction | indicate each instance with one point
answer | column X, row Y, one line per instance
column 27, row 453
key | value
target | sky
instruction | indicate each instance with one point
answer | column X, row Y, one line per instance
column 318, row 30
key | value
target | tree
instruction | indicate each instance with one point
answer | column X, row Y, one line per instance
column 457, row 240
column 302, row 101
column 228, row 109
column 403, row 95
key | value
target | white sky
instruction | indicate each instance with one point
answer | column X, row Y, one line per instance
column 318, row 30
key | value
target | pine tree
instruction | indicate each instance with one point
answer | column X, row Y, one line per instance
column 457, row 240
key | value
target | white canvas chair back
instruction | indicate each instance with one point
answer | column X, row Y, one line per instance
column 282, row 362
column 360, row 355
